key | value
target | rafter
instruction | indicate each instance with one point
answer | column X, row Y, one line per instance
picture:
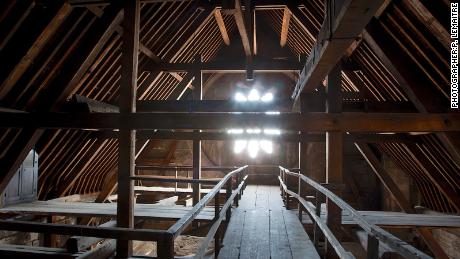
column 69, row 76
column 221, row 25
column 398, row 196
column 285, row 26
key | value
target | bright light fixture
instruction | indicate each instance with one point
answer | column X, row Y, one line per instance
column 253, row 148
column 266, row 146
column 240, row 145
column 272, row 131
column 253, row 96
column 239, row 97
column 268, row 97
column 235, row 131
column 253, row 131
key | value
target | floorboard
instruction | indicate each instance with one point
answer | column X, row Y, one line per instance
column 261, row 228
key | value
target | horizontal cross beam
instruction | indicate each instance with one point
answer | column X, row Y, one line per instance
column 284, row 137
column 310, row 122
column 229, row 66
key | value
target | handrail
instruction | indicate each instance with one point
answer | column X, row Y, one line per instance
column 174, row 180
column 215, row 226
column 393, row 242
column 182, row 223
column 341, row 252
column 184, row 168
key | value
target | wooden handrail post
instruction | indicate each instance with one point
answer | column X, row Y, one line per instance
column 286, row 182
column 228, row 193
column 372, row 247
column 165, row 247
column 216, row 216
column 175, row 188
column 300, row 195
column 316, row 229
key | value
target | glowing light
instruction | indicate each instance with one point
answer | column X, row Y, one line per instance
column 272, row 131
column 240, row 145
column 253, row 131
column 266, row 146
column 239, row 97
column 253, row 148
column 235, row 131
column 253, row 96
column 268, row 97
column 272, row 113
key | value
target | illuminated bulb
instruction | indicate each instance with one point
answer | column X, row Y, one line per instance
column 272, row 113
column 235, row 131
column 266, row 146
column 253, row 96
column 239, row 97
column 272, row 131
column 253, row 148
column 268, row 97
column 253, row 131
column 240, row 145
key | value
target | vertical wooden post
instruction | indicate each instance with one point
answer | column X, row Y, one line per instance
column 127, row 138
column 372, row 247
column 228, row 193
column 303, row 147
column 197, row 95
column 165, row 247
column 316, row 230
column 216, row 216
column 334, row 153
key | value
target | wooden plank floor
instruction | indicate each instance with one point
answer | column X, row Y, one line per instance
column 262, row 228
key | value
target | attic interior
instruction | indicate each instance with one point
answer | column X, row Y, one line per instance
column 227, row 129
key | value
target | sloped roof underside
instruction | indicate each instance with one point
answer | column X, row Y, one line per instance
column 72, row 161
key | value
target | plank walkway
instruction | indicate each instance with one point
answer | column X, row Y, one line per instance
column 262, row 228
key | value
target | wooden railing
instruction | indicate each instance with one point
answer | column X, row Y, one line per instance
column 375, row 233
column 164, row 238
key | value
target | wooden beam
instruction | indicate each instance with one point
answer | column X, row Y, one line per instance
column 398, row 197
column 21, row 251
column 320, row 122
column 58, row 91
column 196, row 144
column 212, row 106
column 221, row 25
column 242, row 28
column 127, row 137
column 334, row 153
column 79, row 230
column 258, row 65
column 283, row 137
column 80, row 243
column 342, row 25
column 285, row 26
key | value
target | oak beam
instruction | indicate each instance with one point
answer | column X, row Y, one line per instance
column 127, row 137
column 258, row 65
column 342, row 25
column 196, row 144
column 319, row 122
column 285, row 26
column 221, row 25
column 334, row 154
